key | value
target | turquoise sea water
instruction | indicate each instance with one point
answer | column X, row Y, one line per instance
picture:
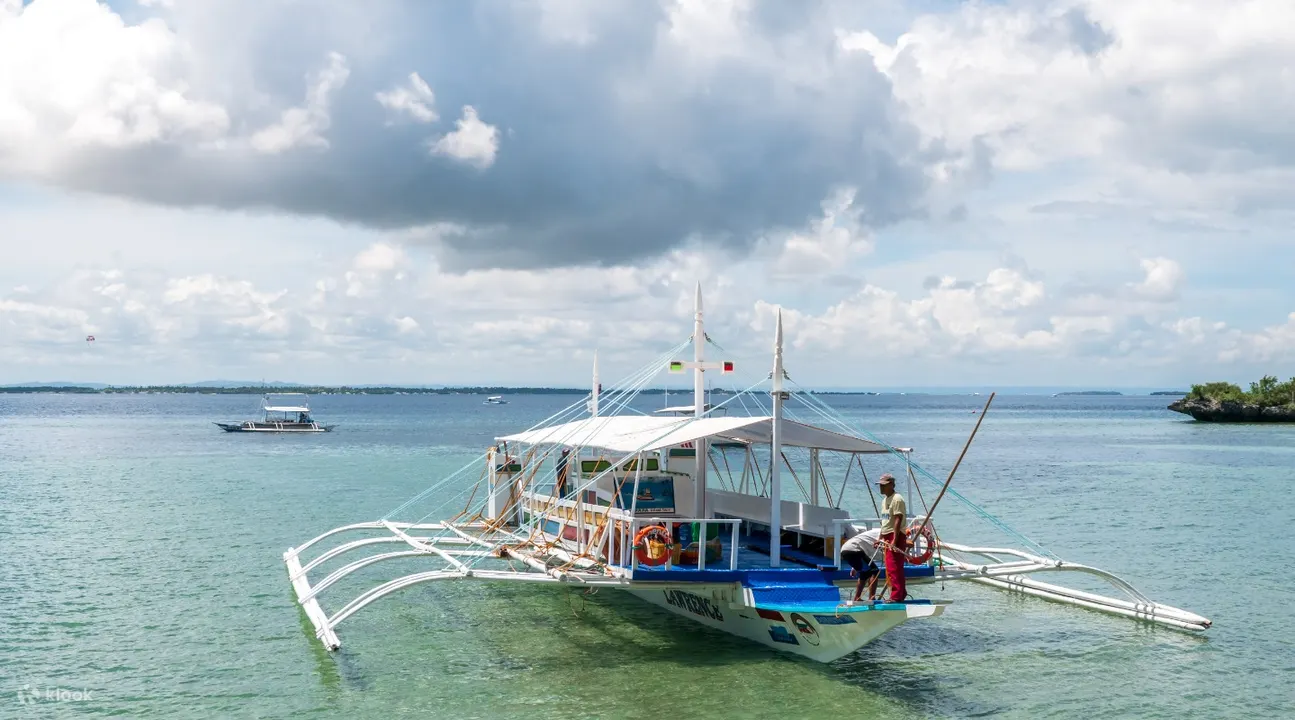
column 142, row 564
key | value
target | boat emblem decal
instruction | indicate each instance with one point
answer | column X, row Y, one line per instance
column 834, row 619
column 805, row 628
column 779, row 633
column 694, row 604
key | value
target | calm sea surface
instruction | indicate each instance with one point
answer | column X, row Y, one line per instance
column 142, row 564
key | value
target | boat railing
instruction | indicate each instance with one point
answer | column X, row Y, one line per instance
column 867, row 524
column 629, row 558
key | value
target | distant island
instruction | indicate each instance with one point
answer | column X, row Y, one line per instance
column 1268, row 400
column 1090, row 392
column 1170, row 392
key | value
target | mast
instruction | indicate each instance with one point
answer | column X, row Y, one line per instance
column 775, row 452
column 597, row 388
column 699, row 407
column 698, row 365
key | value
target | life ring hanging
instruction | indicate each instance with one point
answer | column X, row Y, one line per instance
column 920, row 545
column 662, row 535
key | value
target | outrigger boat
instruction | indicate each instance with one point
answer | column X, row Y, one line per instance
column 278, row 417
column 600, row 496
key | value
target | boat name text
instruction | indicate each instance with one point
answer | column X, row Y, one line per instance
column 694, row 604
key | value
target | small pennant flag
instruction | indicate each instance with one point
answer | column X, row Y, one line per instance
column 676, row 366
column 727, row 367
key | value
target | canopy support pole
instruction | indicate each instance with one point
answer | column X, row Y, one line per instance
column 813, row 476
column 699, row 406
column 775, row 453
column 596, row 390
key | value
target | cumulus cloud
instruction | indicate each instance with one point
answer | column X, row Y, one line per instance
column 832, row 240
column 673, row 122
column 1011, row 316
column 79, row 80
column 304, row 126
column 953, row 317
column 414, row 99
column 804, row 154
column 1163, row 277
column 1144, row 91
column 390, row 313
column 473, row 142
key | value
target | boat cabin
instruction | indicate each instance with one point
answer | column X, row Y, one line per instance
column 605, row 479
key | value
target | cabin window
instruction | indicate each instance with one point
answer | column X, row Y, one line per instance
column 597, row 466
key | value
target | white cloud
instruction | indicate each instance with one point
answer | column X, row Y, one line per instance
column 1007, row 314
column 415, row 100
column 73, row 76
column 473, row 142
column 830, row 242
column 373, row 268
column 1194, row 88
column 304, row 126
column 392, row 314
column 1025, row 158
column 1162, row 281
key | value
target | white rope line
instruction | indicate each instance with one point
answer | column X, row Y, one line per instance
column 570, row 410
column 643, row 377
column 834, row 416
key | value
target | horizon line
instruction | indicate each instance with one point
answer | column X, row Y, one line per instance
column 273, row 385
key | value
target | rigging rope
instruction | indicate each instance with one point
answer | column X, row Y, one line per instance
column 832, row 415
column 571, row 410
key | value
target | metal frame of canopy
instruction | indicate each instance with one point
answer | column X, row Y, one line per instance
column 630, row 433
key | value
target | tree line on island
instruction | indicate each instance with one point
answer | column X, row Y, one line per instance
column 1268, row 400
column 1268, row 392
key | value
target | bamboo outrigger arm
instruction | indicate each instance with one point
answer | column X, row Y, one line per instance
column 1011, row 576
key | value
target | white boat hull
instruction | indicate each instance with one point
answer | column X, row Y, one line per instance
column 260, row 427
column 823, row 637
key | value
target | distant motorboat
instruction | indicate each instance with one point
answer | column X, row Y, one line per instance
column 281, row 413
column 495, row 400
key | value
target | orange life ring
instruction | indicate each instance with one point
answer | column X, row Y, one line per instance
column 641, row 549
column 919, row 555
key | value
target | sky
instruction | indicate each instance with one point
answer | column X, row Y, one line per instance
column 935, row 193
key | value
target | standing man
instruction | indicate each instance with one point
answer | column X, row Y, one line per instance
column 562, row 473
column 858, row 551
column 893, row 525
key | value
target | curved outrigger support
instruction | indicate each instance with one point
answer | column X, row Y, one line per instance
column 458, row 547
column 1010, row 575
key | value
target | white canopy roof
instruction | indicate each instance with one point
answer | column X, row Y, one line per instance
column 676, row 409
column 631, row 433
column 281, row 397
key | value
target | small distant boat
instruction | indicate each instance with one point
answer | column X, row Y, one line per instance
column 496, row 400
column 282, row 413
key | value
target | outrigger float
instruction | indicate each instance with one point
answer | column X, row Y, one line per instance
column 603, row 496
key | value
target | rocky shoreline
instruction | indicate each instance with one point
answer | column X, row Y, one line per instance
column 1232, row 411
